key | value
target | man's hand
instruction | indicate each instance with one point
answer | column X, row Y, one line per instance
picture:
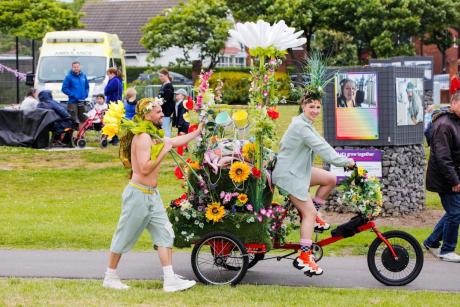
column 456, row 188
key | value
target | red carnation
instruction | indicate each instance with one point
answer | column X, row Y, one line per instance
column 178, row 173
column 273, row 113
column 189, row 104
column 256, row 172
column 192, row 128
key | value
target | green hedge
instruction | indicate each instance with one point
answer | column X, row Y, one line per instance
column 236, row 86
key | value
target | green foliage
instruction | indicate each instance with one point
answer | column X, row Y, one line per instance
column 337, row 47
column 383, row 28
column 196, row 23
column 34, row 18
column 436, row 17
column 236, row 86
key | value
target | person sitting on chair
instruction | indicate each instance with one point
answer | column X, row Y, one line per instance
column 62, row 125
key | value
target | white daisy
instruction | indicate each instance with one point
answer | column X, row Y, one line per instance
column 262, row 34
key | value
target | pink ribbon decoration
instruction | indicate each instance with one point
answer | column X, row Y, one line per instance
column 21, row 76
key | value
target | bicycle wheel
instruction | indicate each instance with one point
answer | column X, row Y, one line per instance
column 253, row 259
column 214, row 253
column 395, row 272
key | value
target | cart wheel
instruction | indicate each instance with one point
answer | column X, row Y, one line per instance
column 104, row 143
column 81, row 143
column 253, row 259
column 395, row 272
column 317, row 252
column 214, row 253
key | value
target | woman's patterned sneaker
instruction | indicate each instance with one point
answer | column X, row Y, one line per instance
column 321, row 225
column 307, row 264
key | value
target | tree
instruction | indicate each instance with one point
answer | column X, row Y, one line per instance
column 34, row 18
column 249, row 10
column 337, row 47
column 383, row 28
column 201, row 24
column 436, row 18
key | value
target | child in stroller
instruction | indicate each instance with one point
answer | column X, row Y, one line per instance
column 62, row 128
column 94, row 122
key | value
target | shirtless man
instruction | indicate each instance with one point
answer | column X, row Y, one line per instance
column 142, row 206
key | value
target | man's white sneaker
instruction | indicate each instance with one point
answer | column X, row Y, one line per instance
column 451, row 257
column 434, row 251
column 177, row 283
column 114, row 282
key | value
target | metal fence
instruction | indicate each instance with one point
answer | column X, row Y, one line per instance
column 8, row 81
column 144, row 91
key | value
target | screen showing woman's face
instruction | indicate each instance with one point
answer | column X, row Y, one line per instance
column 349, row 90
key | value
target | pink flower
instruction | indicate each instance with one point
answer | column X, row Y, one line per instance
column 263, row 211
column 249, row 207
column 260, row 218
column 227, row 198
column 235, row 194
column 265, row 93
column 222, row 194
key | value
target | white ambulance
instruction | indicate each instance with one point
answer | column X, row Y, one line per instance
column 96, row 52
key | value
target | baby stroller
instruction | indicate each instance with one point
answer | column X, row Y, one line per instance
column 93, row 122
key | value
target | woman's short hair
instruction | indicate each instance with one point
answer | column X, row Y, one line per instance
column 31, row 92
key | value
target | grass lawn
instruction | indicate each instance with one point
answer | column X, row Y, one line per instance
column 71, row 199
column 45, row 292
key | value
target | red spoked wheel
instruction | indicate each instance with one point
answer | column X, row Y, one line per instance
column 214, row 254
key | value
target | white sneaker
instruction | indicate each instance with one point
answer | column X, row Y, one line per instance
column 434, row 251
column 177, row 283
column 114, row 282
column 451, row 257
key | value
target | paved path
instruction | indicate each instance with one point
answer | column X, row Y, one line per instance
column 340, row 272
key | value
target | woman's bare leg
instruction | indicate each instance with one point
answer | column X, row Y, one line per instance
column 308, row 213
column 326, row 181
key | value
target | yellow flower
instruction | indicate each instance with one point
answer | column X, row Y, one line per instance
column 110, row 130
column 239, row 172
column 249, row 150
column 186, row 117
column 215, row 212
column 361, row 171
column 242, row 198
column 195, row 165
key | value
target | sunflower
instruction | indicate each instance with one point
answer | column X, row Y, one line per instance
column 215, row 212
column 249, row 150
column 242, row 199
column 239, row 172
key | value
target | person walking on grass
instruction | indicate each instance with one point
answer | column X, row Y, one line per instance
column 142, row 206
column 167, row 93
column 443, row 177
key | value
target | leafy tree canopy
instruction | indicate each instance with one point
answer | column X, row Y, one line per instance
column 201, row 24
column 33, row 18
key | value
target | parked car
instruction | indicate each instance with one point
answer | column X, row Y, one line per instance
column 177, row 78
column 299, row 79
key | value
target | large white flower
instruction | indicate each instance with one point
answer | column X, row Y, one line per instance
column 262, row 34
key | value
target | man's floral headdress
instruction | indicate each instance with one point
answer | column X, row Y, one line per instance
column 145, row 105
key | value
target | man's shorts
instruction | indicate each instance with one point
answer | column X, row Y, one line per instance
column 77, row 111
column 142, row 208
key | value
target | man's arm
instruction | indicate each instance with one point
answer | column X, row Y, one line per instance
column 66, row 87
column 143, row 145
column 185, row 138
column 86, row 86
column 440, row 146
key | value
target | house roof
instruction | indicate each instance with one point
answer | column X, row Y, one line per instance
column 125, row 18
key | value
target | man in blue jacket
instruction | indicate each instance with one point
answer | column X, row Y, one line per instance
column 76, row 87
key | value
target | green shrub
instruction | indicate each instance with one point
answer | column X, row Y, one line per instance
column 236, row 86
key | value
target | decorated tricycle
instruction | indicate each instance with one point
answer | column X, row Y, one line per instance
column 227, row 211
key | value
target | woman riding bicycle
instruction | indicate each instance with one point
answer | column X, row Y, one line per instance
column 294, row 171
